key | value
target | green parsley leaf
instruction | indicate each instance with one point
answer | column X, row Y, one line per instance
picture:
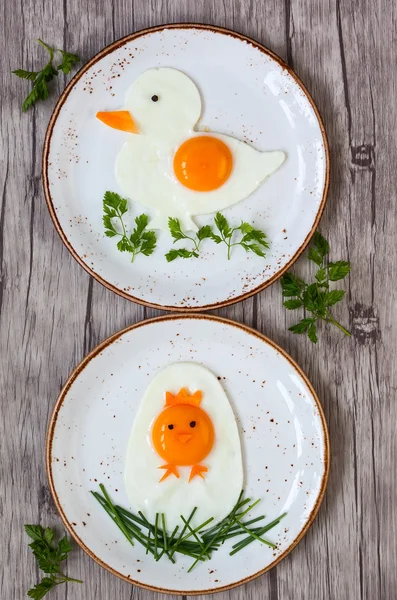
column 64, row 545
column 338, row 270
column 253, row 248
column 49, row 556
column 35, row 532
column 216, row 238
column 140, row 241
column 180, row 253
column 48, row 535
column 31, row 75
column 320, row 244
column 175, row 229
column 41, row 589
column 177, row 234
column 321, row 275
column 312, row 333
column 334, row 296
column 302, row 326
column 316, row 298
column 315, row 256
column 148, row 243
column 68, row 62
column 293, row 303
column 291, row 285
column 253, row 240
column 222, row 225
column 40, row 79
column 204, row 232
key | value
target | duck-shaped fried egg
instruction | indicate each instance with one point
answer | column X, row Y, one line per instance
column 168, row 166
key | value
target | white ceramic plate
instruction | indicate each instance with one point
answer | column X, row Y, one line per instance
column 247, row 92
column 282, row 429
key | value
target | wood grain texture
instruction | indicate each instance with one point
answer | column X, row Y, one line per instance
column 52, row 312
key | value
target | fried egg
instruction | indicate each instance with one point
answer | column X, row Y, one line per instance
column 169, row 166
column 184, row 449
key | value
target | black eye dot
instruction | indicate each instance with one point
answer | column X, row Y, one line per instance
column 170, row 427
column 192, row 423
column 155, row 98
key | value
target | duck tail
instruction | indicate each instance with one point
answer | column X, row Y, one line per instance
column 273, row 161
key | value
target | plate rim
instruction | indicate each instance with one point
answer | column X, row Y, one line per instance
column 46, row 150
column 110, row 340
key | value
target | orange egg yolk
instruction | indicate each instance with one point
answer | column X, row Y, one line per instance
column 203, row 163
column 183, row 434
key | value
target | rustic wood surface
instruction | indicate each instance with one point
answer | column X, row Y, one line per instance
column 53, row 313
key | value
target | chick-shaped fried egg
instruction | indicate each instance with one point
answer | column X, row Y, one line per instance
column 170, row 167
column 184, row 449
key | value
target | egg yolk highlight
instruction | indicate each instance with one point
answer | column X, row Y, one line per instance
column 183, row 434
column 203, row 163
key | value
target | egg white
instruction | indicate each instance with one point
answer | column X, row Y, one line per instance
column 144, row 166
column 214, row 496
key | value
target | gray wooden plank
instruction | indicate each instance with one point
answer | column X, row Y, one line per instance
column 344, row 52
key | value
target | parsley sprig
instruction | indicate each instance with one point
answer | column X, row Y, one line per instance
column 253, row 240
column 197, row 542
column 40, row 79
column 49, row 556
column 140, row 241
column 177, row 234
column 316, row 298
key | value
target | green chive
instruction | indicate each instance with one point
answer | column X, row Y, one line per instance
column 182, row 532
column 155, row 535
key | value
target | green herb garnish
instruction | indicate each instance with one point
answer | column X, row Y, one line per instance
column 40, row 79
column 177, row 234
column 197, row 542
column 253, row 240
column 141, row 240
column 316, row 298
column 49, row 556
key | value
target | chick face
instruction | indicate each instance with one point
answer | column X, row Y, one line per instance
column 183, row 434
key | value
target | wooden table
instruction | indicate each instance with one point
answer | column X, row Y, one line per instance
column 53, row 313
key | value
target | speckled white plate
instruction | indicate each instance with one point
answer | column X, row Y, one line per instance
column 282, row 428
column 247, row 92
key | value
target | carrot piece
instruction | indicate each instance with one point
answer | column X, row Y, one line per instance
column 118, row 119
